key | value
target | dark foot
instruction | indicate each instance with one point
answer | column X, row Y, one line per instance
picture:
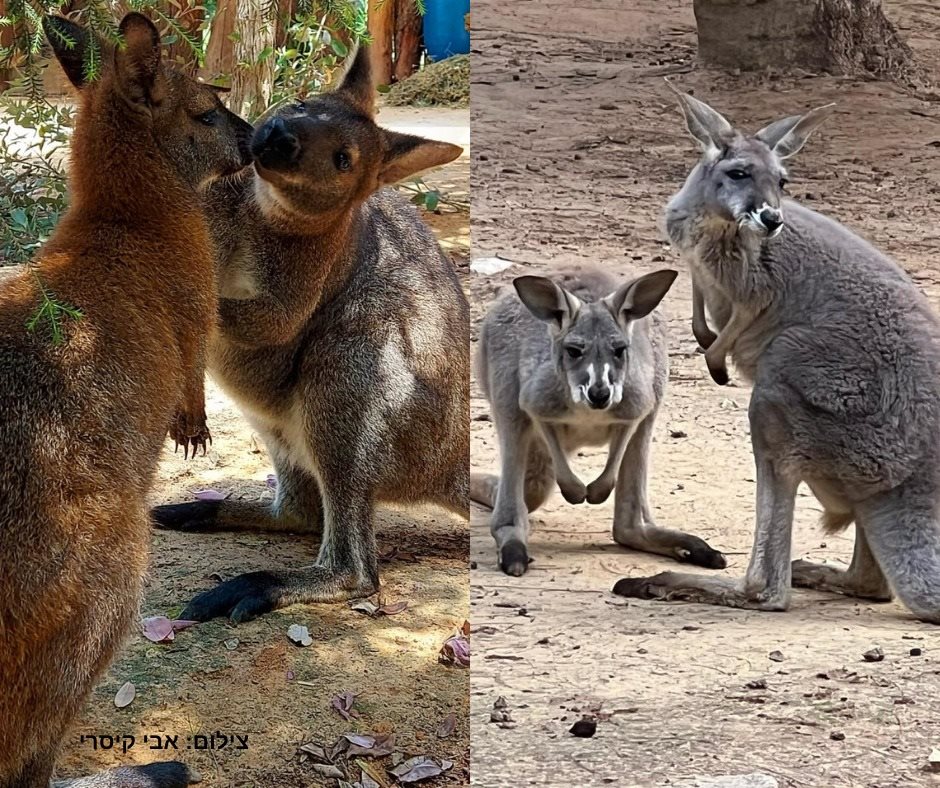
column 696, row 551
column 639, row 587
column 514, row 558
column 190, row 516
column 241, row 599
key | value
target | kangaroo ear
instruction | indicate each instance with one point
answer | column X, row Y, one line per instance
column 356, row 84
column 641, row 296
column 547, row 301
column 137, row 63
column 705, row 124
column 69, row 42
column 785, row 137
column 407, row 155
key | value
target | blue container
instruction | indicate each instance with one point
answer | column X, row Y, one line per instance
column 445, row 33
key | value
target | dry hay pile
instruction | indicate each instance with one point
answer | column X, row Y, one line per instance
column 445, row 83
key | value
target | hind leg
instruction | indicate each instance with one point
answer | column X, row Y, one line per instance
column 297, row 507
column 634, row 526
column 863, row 578
column 904, row 536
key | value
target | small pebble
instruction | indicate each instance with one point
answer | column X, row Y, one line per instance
column 584, row 729
column 837, row 736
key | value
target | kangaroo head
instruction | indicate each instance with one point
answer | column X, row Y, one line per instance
column 186, row 119
column 591, row 341
column 741, row 177
column 317, row 159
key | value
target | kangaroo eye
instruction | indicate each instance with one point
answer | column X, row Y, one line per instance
column 737, row 175
column 208, row 118
column 574, row 352
column 783, row 183
column 620, row 350
column 342, row 161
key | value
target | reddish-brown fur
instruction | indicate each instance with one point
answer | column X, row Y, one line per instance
column 85, row 420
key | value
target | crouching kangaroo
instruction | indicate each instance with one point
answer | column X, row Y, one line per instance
column 344, row 339
column 85, row 419
column 566, row 367
column 844, row 355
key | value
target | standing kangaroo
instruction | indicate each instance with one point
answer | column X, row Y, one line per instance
column 564, row 367
column 85, row 419
column 844, row 355
column 344, row 339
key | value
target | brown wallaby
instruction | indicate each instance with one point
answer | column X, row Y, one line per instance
column 85, row 419
column 344, row 339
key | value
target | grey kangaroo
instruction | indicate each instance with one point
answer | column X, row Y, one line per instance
column 344, row 339
column 570, row 366
column 844, row 355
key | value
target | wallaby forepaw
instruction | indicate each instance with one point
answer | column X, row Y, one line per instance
column 599, row 491
column 241, row 599
column 514, row 558
column 699, row 553
column 573, row 493
column 190, row 432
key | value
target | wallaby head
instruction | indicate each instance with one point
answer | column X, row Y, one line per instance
column 741, row 177
column 320, row 157
column 591, row 341
column 190, row 126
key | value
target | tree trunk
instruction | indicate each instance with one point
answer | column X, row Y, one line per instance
column 189, row 16
column 381, row 30
column 252, row 81
column 220, row 52
column 6, row 39
column 838, row 36
column 407, row 39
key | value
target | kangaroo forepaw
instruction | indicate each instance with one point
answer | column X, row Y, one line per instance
column 514, row 558
column 599, row 490
column 191, row 432
column 573, row 491
column 719, row 373
column 705, row 338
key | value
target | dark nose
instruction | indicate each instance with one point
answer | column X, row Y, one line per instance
column 598, row 395
column 274, row 146
column 771, row 219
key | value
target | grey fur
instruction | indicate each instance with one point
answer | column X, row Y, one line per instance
column 543, row 412
column 844, row 355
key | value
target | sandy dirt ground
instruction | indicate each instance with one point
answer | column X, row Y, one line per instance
column 250, row 680
column 577, row 146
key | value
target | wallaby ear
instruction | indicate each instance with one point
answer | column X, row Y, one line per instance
column 785, row 137
column 705, row 124
column 356, row 84
column 137, row 63
column 640, row 296
column 407, row 155
column 546, row 300
column 69, row 42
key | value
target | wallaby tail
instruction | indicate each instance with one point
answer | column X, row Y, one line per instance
column 903, row 532
column 168, row 774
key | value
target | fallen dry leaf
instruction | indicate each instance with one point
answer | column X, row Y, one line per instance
column 393, row 607
column 209, row 495
column 456, row 651
column 447, row 726
column 343, row 703
column 329, row 770
column 160, row 629
column 125, row 695
column 364, row 606
column 369, row 746
column 419, row 768
column 299, row 634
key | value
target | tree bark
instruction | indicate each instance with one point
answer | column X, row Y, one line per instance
column 220, row 52
column 189, row 16
column 838, row 36
column 252, row 81
column 407, row 39
column 381, row 30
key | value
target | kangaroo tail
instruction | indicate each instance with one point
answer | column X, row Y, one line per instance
column 483, row 487
column 903, row 533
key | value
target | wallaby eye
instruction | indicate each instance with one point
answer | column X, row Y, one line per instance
column 619, row 350
column 208, row 118
column 737, row 175
column 783, row 183
column 342, row 161
column 574, row 352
